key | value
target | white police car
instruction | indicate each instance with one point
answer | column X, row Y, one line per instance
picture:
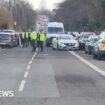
column 65, row 42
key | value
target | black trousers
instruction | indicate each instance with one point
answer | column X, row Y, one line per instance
column 41, row 45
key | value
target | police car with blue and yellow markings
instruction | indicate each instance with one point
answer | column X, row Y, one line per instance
column 99, row 49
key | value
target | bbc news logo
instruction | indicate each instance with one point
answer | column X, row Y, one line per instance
column 6, row 94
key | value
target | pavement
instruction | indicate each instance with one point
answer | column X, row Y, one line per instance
column 51, row 77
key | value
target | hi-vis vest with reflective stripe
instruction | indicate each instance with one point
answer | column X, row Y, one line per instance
column 41, row 37
column 33, row 35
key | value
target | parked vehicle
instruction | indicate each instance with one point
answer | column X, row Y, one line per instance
column 9, row 31
column 83, row 39
column 99, row 49
column 53, row 29
column 8, row 40
column 65, row 42
column 90, row 43
column 102, row 35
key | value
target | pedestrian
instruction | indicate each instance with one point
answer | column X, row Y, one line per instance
column 41, row 39
column 29, row 39
column 33, row 36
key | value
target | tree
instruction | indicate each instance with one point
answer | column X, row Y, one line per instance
column 79, row 14
column 5, row 17
column 24, row 15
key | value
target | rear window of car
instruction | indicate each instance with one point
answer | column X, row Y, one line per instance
column 4, row 37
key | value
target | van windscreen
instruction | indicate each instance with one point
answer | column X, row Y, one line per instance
column 55, row 30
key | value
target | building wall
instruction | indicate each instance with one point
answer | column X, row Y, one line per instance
column 41, row 23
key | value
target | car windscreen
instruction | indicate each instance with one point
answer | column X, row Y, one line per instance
column 55, row 30
column 4, row 37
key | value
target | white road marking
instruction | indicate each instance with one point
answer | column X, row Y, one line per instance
column 30, row 62
column 44, row 82
column 95, row 68
column 32, row 58
column 21, row 87
column 26, row 74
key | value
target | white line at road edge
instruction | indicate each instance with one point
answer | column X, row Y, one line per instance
column 95, row 68
column 21, row 87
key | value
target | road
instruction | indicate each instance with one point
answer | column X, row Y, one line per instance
column 51, row 77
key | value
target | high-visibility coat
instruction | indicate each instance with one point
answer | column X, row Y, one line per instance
column 26, row 35
column 41, row 37
column 23, row 35
column 33, row 35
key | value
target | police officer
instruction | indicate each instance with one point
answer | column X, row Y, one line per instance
column 33, row 36
column 26, row 38
column 41, row 39
column 23, row 39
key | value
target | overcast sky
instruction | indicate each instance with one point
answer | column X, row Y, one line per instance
column 48, row 3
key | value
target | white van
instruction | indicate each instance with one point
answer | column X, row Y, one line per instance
column 53, row 29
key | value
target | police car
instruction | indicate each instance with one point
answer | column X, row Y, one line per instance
column 65, row 42
column 90, row 43
column 99, row 49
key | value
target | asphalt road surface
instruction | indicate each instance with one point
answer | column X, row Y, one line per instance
column 51, row 77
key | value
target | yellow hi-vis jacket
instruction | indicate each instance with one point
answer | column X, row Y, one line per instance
column 23, row 35
column 41, row 37
column 33, row 35
column 26, row 35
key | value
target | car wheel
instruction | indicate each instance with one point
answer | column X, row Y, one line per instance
column 89, row 52
column 86, row 52
column 99, row 57
column 53, row 48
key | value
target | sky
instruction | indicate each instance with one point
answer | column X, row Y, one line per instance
column 49, row 3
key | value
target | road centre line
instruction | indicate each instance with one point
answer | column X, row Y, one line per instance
column 30, row 62
column 21, row 87
column 95, row 68
column 26, row 74
column 23, row 82
column 28, row 67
